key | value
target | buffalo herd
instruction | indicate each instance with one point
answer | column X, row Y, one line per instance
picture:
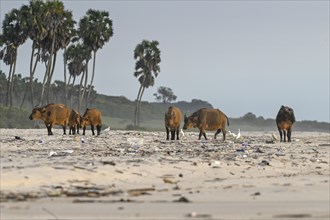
column 204, row 119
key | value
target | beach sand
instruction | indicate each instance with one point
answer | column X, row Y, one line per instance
column 140, row 175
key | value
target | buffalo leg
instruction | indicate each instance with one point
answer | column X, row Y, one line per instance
column 289, row 135
column 98, row 129
column 167, row 133
column 49, row 129
column 200, row 135
column 172, row 134
column 64, row 129
column 281, row 135
column 84, row 129
column 224, row 135
column 177, row 134
column 204, row 134
column 284, row 135
column 216, row 133
column 77, row 129
column 92, row 128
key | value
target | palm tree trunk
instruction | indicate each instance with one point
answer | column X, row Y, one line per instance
column 137, row 106
column 85, row 85
column 25, row 94
column 50, row 67
column 12, row 82
column 32, row 71
column 80, row 88
column 138, row 119
column 8, row 84
column 50, row 77
column 91, row 83
column 43, row 89
column 65, row 85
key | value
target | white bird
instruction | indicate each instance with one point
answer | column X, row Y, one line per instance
column 107, row 129
column 238, row 134
column 274, row 137
column 181, row 133
column 231, row 134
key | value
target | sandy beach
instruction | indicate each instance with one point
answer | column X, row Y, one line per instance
column 140, row 175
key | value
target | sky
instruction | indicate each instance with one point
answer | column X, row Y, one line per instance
column 240, row 56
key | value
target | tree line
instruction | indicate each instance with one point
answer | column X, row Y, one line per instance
column 53, row 32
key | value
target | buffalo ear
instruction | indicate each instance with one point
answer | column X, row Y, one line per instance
column 195, row 119
column 43, row 109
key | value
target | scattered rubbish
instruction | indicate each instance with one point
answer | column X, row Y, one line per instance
column 279, row 153
column 291, row 216
column 196, row 215
column 170, row 181
column 82, row 140
column 108, row 163
column 270, row 142
column 84, row 168
column 264, row 163
column 52, row 153
column 135, row 142
column 216, row 180
column 258, row 150
column 256, row 194
column 139, row 192
column 18, row 138
column 182, row 199
column 60, row 153
column 245, row 144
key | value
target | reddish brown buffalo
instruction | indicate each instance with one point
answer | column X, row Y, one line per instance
column 52, row 114
column 92, row 117
column 173, row 119
column 207, row 120
column 74, row 122
column 284, row 120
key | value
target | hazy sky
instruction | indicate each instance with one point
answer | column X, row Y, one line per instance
column 241, row 56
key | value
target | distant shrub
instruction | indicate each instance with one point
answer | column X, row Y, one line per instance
column 135, row 128
column 13, row 117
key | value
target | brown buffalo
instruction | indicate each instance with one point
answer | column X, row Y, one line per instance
column 92, row 117
column 207, row 120
column 74, row 122
column 52, row 114
column 173, row 119
column 284, row 120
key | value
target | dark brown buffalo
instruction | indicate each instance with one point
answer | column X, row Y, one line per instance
column 173, row 119
column 52, row 114
column 74, row 122
column 284, row 120
column 207, row 120
column 92, row 117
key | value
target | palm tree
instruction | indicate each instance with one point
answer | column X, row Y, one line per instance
column 147, row 56
column 77, row 56
column 34, row 26
column 13, row 36
column 95, row 29
column 60, row 29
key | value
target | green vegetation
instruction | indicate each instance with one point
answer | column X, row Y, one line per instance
column 118, row 113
